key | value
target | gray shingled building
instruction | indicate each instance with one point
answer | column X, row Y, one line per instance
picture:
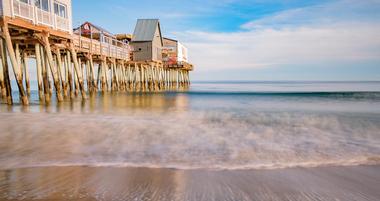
column 147, row 40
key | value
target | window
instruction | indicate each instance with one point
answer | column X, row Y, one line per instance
column 43, row 4
column 25, row 1
column 60, row 9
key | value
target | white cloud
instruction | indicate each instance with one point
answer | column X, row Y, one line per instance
column 313, row 35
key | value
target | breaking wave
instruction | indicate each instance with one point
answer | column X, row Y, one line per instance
column 190, row 140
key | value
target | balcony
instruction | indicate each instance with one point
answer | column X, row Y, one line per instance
column 115, row 49
column 38, row 16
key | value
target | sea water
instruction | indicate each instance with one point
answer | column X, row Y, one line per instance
column 212, row 125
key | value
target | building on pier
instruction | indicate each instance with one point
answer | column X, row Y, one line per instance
column 173, row 52
column 48, row 14
column 147, row 40
column 92, row 31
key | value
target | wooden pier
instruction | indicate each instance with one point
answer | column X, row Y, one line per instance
column 70, row 65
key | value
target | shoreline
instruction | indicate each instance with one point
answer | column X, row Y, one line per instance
column 131, row 183
column 364, row 161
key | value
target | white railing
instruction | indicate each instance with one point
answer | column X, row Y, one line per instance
column 23, row 10
column 39, row 16
column 119, row 51
column 62, row 23
column 44, row 18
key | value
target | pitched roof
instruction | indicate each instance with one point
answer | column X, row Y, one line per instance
column 170, row 39
column 95, row 29
column 145, row 30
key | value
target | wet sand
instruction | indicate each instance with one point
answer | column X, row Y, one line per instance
column 124, row 183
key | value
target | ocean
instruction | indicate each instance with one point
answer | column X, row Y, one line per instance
column 211, row 125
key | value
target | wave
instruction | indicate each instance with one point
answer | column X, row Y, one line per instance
column 309, row 164
column 191, row 140
column 343, row 95
column 316, row 93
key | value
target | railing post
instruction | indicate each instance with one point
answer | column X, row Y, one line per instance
column 34, row 15
column 19, row 8
column 109, row 48
column 55, row 21
column 91, row 39
column 12, row 9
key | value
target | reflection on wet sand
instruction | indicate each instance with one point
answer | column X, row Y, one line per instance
column 109, row 102
column 102, row 183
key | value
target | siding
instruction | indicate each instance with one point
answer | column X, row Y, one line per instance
column 142, row 51
column 157, row 45
column 182, row 53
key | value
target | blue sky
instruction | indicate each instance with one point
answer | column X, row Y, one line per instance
column 258, row 39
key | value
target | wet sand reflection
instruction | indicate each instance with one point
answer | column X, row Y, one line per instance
column 102, row 183
column 109, row 102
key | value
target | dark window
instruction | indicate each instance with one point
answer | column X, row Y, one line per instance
column 43, row 4
column 60, row 9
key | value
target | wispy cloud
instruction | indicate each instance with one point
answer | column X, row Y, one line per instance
column 337, row 32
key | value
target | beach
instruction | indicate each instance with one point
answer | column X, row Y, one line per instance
column 123, row 183
column 215, row 141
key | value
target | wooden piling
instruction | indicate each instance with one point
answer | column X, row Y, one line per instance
column 26, row 72
column 2, row 84
column 45, row 75
column 103, row 76
column 92, row 69
column 88, row 75
column 5, row 67
column 15, row 65
column 61, row 72
column 18, row 59
column 39, row 71
column 78, row 71
column 70, row 78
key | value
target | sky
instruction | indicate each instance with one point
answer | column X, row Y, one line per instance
column 258, row 39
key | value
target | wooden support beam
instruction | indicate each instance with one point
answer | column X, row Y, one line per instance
column 61, row 72
column 93, row 81
column 88, row 76
column 18, row 58
column 129, row 78
column 15, row 65
column 103, row 67
column 3, row 89
column 45, row 75
column 99, row 76
column 26, row 72
column 39, row 72
column 138, row 74
column 53, row 68
column 2, row 83
column 69, row 68
column 113, row 77
column 7, row 82
column 77, row 70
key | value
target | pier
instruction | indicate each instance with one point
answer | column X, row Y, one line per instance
column 77, row 62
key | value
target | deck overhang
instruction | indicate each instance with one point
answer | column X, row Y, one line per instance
column 19, row 23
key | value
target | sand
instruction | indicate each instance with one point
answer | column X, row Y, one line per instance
column 125, row 183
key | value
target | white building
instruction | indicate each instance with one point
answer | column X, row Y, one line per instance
column 55, row 14
column 174, row 51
